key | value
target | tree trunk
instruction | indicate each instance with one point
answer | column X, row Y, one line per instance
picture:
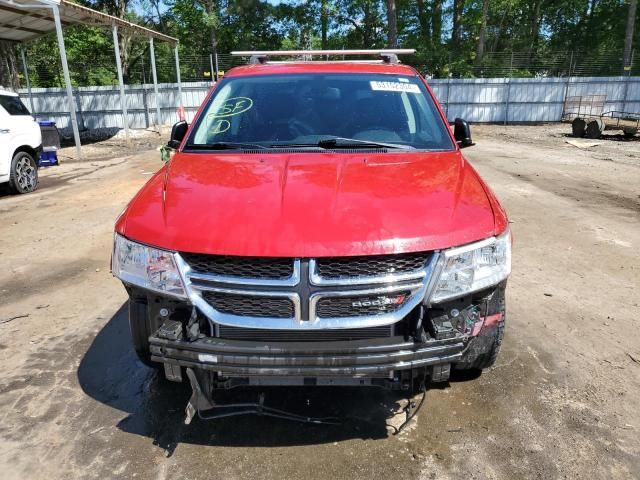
column 392, row 24
column 498, row 34
column 370, row 20
column 324, row 22
column 456, row 31
column 8, row 65
column 483, row 31
column 423, row 20
column 628, row 36
column 535, row 28
column 436, row 22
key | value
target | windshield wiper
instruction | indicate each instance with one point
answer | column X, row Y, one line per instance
column 225, row 146
column 340, row 142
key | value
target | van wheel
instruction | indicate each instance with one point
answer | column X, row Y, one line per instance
column 141, row 329
column 23, row 176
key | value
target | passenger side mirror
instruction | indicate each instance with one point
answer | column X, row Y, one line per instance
column 462, row 133
column 178, row 131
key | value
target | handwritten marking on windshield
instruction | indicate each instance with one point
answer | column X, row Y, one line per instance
column 219, row 126
column 233, row 106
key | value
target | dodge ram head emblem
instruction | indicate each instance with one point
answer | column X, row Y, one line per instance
column 379, row 301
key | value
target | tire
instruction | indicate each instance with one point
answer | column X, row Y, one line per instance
column 629, row 132
column 578, row 126
column 23, row 176
column 484, row 350
column 595, row 127
column 141, row 329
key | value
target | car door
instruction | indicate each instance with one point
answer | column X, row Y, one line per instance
column 5, row 144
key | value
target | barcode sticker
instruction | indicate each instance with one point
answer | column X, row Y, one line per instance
column 394, row 87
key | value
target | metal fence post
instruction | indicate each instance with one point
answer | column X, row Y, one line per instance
column 217, row 66
column 566, row 88
column 626, row 84
column 446, row 109
column 155, row 81
column 123, row 98
column 212, row 76
column 67, row 80
column 180, row 104
column 508, row 94
column 26, row 77
column 78, row 100
column 145, row 100
column 506, row 103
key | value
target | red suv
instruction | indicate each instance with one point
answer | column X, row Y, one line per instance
column 317, row 225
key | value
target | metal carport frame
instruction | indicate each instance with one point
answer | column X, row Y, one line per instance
column 24, row 20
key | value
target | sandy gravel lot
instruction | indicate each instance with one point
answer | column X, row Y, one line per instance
column 562, row 401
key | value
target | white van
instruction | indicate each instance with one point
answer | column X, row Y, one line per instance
column 20, row 144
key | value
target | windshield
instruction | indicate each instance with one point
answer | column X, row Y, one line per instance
column 13, row 105
column 321, row 110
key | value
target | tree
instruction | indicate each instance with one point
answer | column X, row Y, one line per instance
column 456, row 31
column 436, row 22
column 8, row 65
column 423, row 20
column 324, row 22
column 392, row 24
column 483, row 31
column 628, row 36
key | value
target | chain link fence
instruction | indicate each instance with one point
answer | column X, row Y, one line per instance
column 46, row 71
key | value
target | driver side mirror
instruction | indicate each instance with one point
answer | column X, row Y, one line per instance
column 462, row 133
column 178, row 131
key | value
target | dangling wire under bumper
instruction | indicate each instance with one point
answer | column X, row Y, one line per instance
column 200, row 404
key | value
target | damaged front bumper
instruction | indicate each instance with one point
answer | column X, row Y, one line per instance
column 367, row 358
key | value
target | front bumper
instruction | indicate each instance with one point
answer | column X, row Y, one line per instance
column 368, row 358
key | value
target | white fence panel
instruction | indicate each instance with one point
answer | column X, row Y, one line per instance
column 477, row 100
column 530, row 99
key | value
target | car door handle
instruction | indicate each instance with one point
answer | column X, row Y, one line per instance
column 4, row 130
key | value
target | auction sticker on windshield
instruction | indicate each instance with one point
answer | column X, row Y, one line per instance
column 394, row 87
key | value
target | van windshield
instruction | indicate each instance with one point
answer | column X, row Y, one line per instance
column 270, row 111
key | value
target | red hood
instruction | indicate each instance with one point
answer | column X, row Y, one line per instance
column 312, row 205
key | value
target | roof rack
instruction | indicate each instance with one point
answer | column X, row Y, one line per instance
column 387, row 55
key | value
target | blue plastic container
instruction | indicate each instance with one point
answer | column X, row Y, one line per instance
column 50, row 143
column 48, row 158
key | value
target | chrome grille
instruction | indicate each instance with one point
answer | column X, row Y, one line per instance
column 261, row 335
column 242, row 267
column 326, row 294
column 370, row 266
column 250, row 306
column 341, row 307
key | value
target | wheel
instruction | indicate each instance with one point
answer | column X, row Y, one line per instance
column 595, row 127
column 23, row 176
column 577, row 127
column 483, row 351
column 141, row 329
column 629, row 132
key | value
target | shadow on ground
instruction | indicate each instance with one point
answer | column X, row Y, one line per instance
column 110, row 373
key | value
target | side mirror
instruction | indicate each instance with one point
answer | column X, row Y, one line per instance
column 462, row 133
column 178, row 131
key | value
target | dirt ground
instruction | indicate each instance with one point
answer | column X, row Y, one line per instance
column 562, row 401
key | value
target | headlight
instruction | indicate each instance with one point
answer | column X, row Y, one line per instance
column 474, row 267
column 146, row 267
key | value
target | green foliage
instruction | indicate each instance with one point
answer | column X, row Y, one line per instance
column 522, row 38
